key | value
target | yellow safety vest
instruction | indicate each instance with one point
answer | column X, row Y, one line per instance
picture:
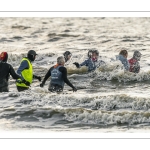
column 27, row 74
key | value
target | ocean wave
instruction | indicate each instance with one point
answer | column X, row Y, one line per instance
column 76, row 108
column 117, row 72
column 20, row 27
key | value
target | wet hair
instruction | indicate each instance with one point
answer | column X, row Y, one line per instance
column 123, row 52
column 137, row 55
column 66, row 54
column 93, row 51
column 60, row 60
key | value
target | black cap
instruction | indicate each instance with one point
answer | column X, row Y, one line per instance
column 32, row 52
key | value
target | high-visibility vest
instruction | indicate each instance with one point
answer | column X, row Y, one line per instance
column 27, row 74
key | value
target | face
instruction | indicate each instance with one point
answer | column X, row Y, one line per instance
column 94, row 56
column 69, row 56
column 126, row 56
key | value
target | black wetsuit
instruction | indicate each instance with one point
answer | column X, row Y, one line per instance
column 63, row 70
column 5, row 71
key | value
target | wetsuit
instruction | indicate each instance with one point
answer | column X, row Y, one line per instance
column 124, row 61
column 134, row 65
column 5, row 71
column 58, row 84
column 134, row 62
column 92, row 65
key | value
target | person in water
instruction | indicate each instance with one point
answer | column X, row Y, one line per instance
column 26, row 72
column 58, row 75
column 92, row 62
column 123, row 58
column 134, row 62
column 67, row 55
column 5, row 71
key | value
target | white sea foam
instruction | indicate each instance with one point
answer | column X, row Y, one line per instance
column 107, row 96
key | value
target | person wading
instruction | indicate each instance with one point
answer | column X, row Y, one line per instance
column 58, row 75
column 5, row 71
column 134, row 62
column 26, row 72
column 123, row 58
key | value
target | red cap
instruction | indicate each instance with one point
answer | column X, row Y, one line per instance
column 3, row 56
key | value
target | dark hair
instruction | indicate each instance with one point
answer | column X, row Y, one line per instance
column 123, row 52
column 93, row 51
column 66, row 54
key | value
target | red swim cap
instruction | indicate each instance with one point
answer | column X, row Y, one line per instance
column 3, row 56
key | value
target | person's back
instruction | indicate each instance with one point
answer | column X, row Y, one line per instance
column 58, row 75
column 25, row 70
column 134, row 62
column 4, row 75
column 5, row 71
column 123, row 58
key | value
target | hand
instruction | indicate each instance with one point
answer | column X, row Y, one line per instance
column 42, row 85
column 19, row 81
column 39, row 78
column 74, row 89
column 77, row 64
column 26, row 82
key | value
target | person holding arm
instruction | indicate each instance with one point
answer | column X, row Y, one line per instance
column 5, row 71
column 25, row 70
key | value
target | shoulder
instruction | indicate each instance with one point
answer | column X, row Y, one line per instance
column 24, row 61
column 7, row 64
column 62, row 68
column 87, row 60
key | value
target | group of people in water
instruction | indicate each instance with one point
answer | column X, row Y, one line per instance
column 58, row 72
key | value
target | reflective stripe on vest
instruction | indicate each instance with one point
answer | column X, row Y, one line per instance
column 27, row 74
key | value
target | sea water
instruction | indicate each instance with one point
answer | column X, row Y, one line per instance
column 108, row 99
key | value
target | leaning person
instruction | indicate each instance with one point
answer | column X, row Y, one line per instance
column 92, row 61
